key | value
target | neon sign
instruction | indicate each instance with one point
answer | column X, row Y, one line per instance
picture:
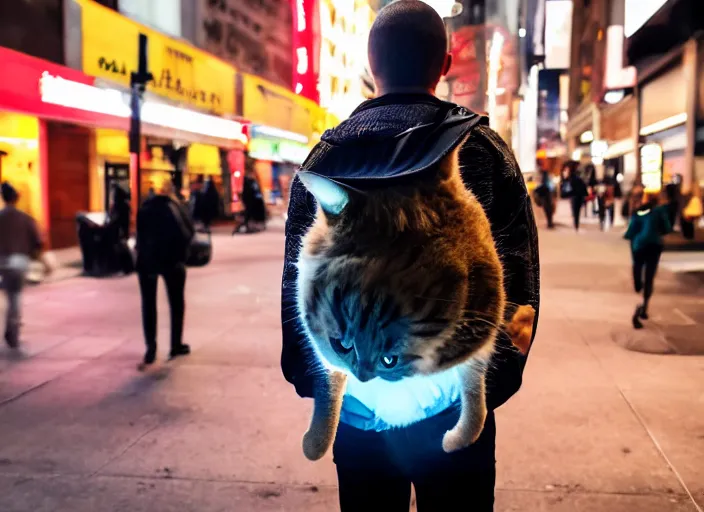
column 305, row 35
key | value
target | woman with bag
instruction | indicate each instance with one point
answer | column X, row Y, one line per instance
column 649, row 223
column 164, row 236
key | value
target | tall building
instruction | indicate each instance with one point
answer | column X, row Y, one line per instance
column 344, row 31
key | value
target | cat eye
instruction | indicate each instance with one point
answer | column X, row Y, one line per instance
column 339, row 345
column 389, row 361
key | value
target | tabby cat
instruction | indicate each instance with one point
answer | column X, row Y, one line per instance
column 396, row 282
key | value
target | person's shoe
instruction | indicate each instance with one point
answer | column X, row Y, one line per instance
column 643, row 314
column 12, row 339
column 637, row 324
column 12, row 342
column 180, row 350
column 148, row 360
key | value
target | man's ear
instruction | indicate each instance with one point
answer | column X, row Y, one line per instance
column 447, row 65
column 331, row 197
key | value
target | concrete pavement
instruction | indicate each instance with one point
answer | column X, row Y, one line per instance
column 595, row 427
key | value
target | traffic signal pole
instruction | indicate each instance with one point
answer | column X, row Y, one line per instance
column 138, row 84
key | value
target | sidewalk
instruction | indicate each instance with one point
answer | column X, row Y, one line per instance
column 596, row 428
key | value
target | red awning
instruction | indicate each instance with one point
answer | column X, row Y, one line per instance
column 20, row 91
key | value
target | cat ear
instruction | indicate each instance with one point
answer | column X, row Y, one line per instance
column 331, row 197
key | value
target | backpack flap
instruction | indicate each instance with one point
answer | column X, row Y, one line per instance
column 367, row 164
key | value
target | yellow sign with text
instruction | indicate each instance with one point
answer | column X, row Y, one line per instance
column 181, row 72
column 272, row 105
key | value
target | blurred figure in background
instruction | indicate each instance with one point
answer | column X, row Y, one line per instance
column 575, row 190
column 648, row 224
column 589, row 178
column 544, row 195
column 120, row 211
column 19, row 244
column 633, row 200
column 210, row 204
column 120, row 215
column 164, row 234
column 253, row 202
column 195, row 201
column 605, row 197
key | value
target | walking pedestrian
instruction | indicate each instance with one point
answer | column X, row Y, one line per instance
column 648, row 224
column 574, row 189
column 253, row 202
column 605, row 202
column 19, row 244
column 120, row 211
column 210, row 204
column 377, row 464
column 545, row 196
column 164, row 234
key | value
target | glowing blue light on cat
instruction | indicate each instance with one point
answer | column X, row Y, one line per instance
column 331, row 197
column 404, row 402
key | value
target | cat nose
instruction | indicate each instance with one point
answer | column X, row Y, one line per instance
column 365, row 375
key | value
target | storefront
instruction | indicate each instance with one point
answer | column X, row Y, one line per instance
column 278, row 154
column 284, row 127
column 188, row 127
column 48, row 114
column 663, row 123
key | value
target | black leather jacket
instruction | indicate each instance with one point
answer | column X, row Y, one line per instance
column 489, row 170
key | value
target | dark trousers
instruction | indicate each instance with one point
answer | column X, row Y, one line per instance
column 645, row 264
column 175, row 279
column 549, row 212
column 375, row 470
column 576, row 210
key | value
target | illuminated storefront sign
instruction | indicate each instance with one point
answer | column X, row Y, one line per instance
column 273, row 150
column 305, row 48
column 278, row 111
column 67, row 93
column 181, row 72
column 651, row 167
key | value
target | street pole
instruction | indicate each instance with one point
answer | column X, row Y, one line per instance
column 138, row 84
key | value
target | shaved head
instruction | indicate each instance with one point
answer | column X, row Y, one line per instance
column 408, row 46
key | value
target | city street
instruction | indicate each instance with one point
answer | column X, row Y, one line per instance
column 596, row 426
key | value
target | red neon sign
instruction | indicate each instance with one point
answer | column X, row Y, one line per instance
column 306, row 48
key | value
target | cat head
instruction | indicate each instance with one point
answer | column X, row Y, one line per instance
column 399, row 280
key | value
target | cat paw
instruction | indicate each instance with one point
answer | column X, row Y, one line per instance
column 520, row 329
column 314, row 448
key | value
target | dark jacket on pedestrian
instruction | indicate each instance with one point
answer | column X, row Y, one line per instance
column 253, row 200
column 578, row 189
column 18, row 234
column 164, row 234
column 206, row 204
column 489, row 169
column 647, row 227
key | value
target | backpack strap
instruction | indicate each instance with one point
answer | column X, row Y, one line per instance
column 180, row 221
